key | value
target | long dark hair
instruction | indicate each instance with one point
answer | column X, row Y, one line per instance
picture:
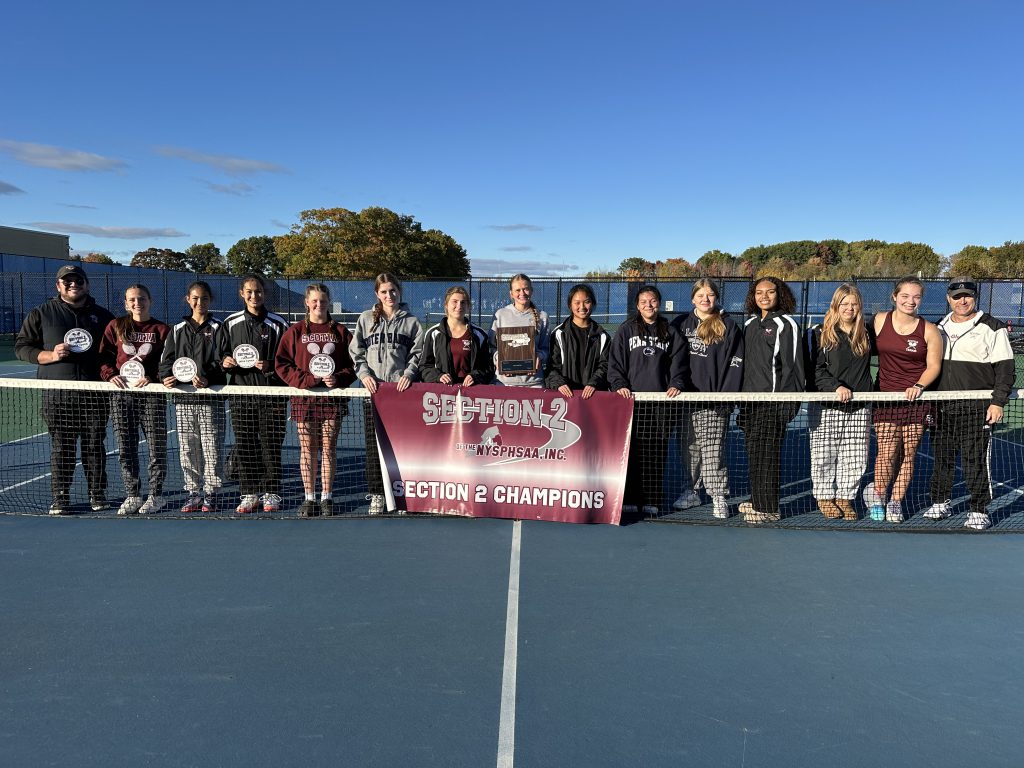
column 378, row 308
column 660, row 323
column 785, row 302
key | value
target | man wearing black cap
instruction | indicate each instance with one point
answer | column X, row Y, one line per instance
column 62, row 337
column 976, row 355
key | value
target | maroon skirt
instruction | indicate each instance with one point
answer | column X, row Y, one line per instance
column 903, row 414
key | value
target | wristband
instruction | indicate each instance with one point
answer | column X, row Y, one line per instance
column 920, row 386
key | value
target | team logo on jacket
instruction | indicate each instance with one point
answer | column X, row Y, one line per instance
column 911, row 345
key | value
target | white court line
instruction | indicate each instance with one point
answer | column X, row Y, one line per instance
column 507, row 721
column 1006, row 499
column 43, row 477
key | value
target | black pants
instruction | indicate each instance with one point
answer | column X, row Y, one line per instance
column 71, row 416
column 648, row 447
column 764, row 425
column 374, row 477
column 132, row 410
column 259, row 425
column 960, row 426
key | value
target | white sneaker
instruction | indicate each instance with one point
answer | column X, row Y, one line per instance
column 720, row 507
column 979, row 521
column 249, row 503
column 751, row 515
column 938, row 511
column 650, row 510
column 686, row 500
column 130, row 506
column 271, row 502
column 153, row 505
column 894, row 512
column 376, row 504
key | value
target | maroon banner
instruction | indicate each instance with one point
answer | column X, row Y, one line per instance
column 514, row 452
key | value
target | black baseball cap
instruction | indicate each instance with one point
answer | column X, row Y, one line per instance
column 71, row 269
column 962, row 286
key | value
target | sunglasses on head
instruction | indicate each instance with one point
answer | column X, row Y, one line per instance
column 72, row 280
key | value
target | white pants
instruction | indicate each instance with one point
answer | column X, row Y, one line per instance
column 705, row 446
column 200, row 437
column 839, row 449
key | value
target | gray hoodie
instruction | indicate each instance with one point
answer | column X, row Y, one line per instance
column 510, row 317
column 390, row 349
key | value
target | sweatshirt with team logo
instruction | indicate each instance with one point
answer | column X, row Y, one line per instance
column 142, row 342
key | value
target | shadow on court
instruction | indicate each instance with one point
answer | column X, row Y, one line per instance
column 381, row 642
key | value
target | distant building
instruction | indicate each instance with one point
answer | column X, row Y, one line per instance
column 28, row 242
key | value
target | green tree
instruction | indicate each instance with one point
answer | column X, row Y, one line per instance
column 717, row 264
column 337, row 242
column 972, row 261
column 636, row 266
column 255, row 254
column 160, row 258
column 674, row 268
column 205, row 259
column 97, row 258
column 1008, row 259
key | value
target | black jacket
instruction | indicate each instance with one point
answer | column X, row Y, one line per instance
column 437, row 355
column 263, row 331
column 641, row 362
column 718, row 368
column 199, row 342
column 774, row 354
column 839, row 367
column 563, row 358
column 44, row 329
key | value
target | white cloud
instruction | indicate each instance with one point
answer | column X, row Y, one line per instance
column 10, row 189
column 516, row 248
column 232, row 166
column 499, row 267
column 517, row 227
column 58, row 158
column 239, row 188
column 119, row 233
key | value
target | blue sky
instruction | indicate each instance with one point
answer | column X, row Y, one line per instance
column 551, row 138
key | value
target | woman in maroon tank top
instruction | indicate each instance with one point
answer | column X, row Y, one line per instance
column 909, row 359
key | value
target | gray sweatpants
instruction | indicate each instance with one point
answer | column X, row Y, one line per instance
column 839, row 449
column 200, row 437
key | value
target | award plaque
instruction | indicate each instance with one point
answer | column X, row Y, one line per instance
column 78, row 340
column 132, row 371
column 246, row 356
column 321, row 366
column 517, row 350
column 185, row 369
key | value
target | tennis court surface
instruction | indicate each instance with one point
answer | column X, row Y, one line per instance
column 456, row 642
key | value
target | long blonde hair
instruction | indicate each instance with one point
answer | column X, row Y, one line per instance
column 832, row 324
column 532, row 306
column 711, row 329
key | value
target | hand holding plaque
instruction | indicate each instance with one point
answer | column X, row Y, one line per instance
column 517, row 350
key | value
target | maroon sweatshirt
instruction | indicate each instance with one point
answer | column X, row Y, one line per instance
column 143, row 342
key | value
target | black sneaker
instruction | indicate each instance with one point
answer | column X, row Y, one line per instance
column 98, row 503
column 326, row 508
column 307, row 508
column 60, row 506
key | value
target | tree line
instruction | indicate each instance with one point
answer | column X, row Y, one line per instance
column 339, row 243
column 326, row 242
column 834, row 260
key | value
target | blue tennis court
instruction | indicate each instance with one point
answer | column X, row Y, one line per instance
column 390, row 642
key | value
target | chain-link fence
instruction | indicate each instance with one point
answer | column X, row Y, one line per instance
column 616, row 299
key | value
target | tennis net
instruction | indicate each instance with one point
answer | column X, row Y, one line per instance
column 782, row 460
